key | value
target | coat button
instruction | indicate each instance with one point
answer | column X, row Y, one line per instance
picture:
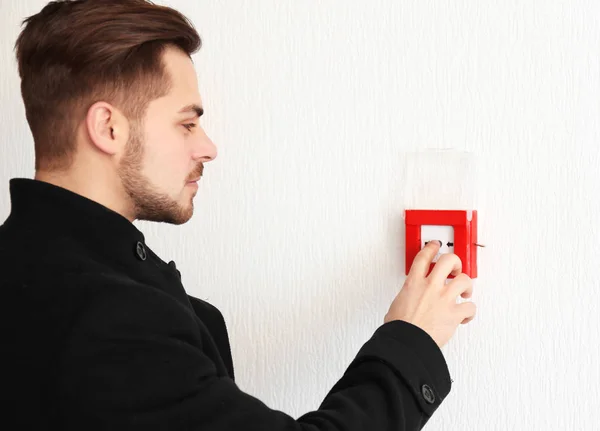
column 428, row 394
column 140, row 251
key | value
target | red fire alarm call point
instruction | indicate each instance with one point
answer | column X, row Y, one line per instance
column 423, row 226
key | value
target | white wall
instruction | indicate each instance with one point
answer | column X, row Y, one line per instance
column 298, row 232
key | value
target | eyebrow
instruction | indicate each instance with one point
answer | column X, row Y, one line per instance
column 192, row 108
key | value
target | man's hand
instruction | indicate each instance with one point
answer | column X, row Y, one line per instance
column 428, row 302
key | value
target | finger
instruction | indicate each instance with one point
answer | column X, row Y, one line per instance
column 466, row 311
column 447, row 264
column 461, row 285
column 423, row 259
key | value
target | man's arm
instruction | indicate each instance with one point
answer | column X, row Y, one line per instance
column 135, row 361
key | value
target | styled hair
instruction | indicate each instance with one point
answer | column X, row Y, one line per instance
column 73, row 54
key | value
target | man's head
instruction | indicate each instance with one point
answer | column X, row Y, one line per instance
column 112, row 100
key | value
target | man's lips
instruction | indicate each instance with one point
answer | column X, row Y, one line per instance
column 196, row 179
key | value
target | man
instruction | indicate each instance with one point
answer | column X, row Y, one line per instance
column 98, row 331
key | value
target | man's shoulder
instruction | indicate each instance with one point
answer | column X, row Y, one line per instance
column 205, row 308
column 25, row 255
column 202, row 304
column 80, row 301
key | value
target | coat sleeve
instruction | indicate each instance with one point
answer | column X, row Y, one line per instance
column 135, row 362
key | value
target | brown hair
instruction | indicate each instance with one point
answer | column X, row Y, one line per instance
column 75, row 53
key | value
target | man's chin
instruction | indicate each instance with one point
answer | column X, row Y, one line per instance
column 181, row 217
column 177, row 216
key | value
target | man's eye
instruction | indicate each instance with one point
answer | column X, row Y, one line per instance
column 189, row 126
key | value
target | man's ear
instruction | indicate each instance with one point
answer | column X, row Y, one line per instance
column 107, row 128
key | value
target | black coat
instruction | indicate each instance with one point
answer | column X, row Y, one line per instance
column 99, row 333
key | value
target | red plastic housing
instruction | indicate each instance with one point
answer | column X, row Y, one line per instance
column 464, row 223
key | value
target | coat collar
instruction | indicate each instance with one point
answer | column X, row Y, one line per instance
column 56, row 212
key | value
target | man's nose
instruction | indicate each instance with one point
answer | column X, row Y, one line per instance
column 205, row 149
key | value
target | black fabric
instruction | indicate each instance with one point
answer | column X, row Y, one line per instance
column 98, row 333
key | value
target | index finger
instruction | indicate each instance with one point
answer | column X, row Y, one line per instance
column 423, row 259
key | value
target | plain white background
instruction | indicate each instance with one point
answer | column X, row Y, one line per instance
column 298, row 231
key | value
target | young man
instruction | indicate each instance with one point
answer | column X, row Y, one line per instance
column 97, row 331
